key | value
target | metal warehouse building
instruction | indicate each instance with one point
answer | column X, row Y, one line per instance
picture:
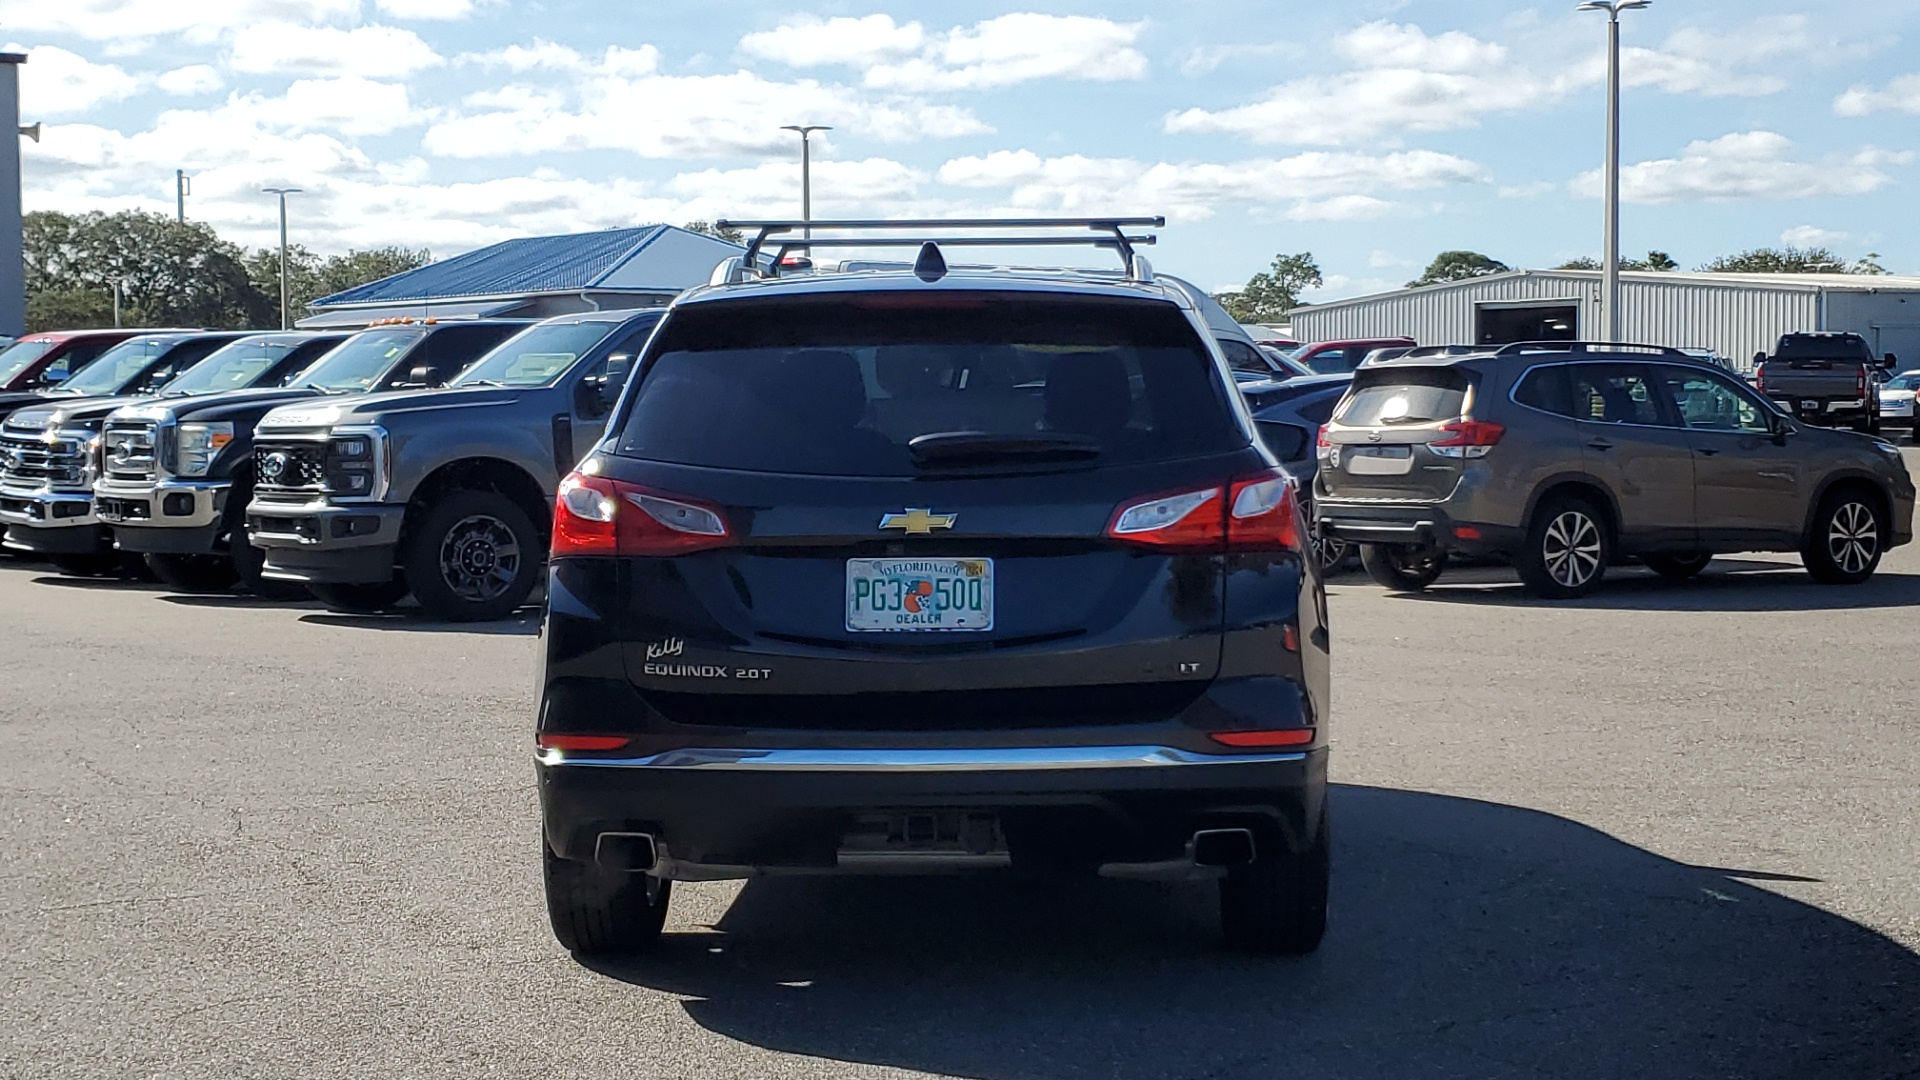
column 1736, row 315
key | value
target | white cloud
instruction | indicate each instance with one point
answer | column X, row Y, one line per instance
column 1406, row 80
column 1747, row 165
column 55, row 81
column 547, row 56
column 1530, row 190
column 809, row 41
column 112, row 19
column 286, row 49
column 1316, row 186
column 1002, row 51
column 685, row 116
column 350, row 105
column 1812, row 236
column 425, row 9
column 190, row 80
column 1900, row 95
column 774, row 188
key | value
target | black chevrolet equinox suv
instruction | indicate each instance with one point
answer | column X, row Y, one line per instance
column 932, row 571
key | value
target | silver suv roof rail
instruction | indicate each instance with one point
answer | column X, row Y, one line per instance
column 1587, row 347
column 1110, row 232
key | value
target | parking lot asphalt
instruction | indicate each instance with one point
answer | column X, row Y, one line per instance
column 1668, row 831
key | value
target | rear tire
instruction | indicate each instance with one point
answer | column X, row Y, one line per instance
column 1848, row 538
column 360, row 599
column 597, row 912
column 1677, row 567
column 86, row 565
column 193, row 573
column 1402, row 567
column 1568, row 549
column 1331, row 553
column 1277, row 904
column 474, row 557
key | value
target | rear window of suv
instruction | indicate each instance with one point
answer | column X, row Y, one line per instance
column 839, row 386
column 1391, row 396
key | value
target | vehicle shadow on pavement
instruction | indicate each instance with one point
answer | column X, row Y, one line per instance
column 525, row 622
column 1726, row 585
column 1468, row 939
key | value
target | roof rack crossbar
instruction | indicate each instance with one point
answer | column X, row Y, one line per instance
column 1114, row 228
column 1585, row 346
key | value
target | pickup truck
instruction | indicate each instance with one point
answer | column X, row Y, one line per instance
column 447, row 495
column 1824, row 379
column 50, row 452
column 179, row 473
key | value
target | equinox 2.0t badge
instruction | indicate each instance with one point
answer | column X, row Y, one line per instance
column 272, row 466
column 917, row 522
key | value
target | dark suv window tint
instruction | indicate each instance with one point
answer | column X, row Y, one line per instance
column 1615, row 394
column 839, row 386
column 1288, row 442
column 1244, row 357
column 1547, row 389
column 1404, row 396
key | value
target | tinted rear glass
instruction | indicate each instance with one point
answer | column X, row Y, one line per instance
column 1287, row 441
column 1404, row 396
column 840, row 386
column 1798, row 348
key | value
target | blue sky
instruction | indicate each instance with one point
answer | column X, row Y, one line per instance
column 1372, row 134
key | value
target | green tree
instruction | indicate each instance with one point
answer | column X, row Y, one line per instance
column 1793, row 260
column 1655, row 260
column 1272, row 293
column 171, row 273
column 707, row 228
column 311, row 276
column 1458, row 266
column 76, row 309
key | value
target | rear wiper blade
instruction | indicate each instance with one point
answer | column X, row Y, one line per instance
column 952, row 447
column 1390, row 421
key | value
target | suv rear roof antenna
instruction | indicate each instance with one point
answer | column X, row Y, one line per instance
column 1101, row 232
column 931, row 265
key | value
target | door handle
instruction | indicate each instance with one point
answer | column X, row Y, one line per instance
column 1704, row 452
column 1599, row 444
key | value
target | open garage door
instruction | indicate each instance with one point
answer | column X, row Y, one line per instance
column 1504, row 324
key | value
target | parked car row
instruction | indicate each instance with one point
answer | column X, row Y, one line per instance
column 403, row 459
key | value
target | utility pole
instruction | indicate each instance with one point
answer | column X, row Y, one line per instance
column 1610, row 314
column 806, row 171
column 182, row 187
column 13, row 263
column 285, row 301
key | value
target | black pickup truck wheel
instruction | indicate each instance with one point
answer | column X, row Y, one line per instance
column 86, row 565
column 474, row 557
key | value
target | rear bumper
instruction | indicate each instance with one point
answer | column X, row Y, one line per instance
column 735, row 813
column 324, row 543
column 1419, row 524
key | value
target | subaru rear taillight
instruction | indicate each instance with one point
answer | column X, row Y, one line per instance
column 594, row 515
column 1323, row 446
column 1467, row 438
column 1254, row 513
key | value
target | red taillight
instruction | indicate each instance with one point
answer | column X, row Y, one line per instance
column 1323, row 440
column 549, row 741
column 1255, row 513
column 1467, row 438
column 1760, row 379
column 593, row 515
column 1279, row 737
column 1863, row 382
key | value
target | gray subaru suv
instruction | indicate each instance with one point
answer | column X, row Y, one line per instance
column 1568, row 457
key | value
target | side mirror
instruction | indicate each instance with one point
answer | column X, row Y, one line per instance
column 1890, row 362
column 422, row 375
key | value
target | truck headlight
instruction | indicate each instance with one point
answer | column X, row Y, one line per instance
column 197, row 445
column 352, row 465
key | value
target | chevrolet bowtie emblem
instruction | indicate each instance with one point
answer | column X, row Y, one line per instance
column 917, row 522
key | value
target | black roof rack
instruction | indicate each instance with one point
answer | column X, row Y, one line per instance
column 1110, row 232
column 1586, row 347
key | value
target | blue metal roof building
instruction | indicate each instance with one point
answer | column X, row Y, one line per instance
column 536, row 277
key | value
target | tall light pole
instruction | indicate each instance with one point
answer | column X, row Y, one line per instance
column 806, row 170
column 13, row 265
column 283, row 192
column 1610, row 259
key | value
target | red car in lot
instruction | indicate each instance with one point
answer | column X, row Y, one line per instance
column 1341, row 357
column 40, row 361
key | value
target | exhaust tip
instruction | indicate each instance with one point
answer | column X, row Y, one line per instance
column 1223, row 847
column 625, row 852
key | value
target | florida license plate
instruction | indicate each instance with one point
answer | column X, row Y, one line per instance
column 1810, row 406
column 919, row 594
